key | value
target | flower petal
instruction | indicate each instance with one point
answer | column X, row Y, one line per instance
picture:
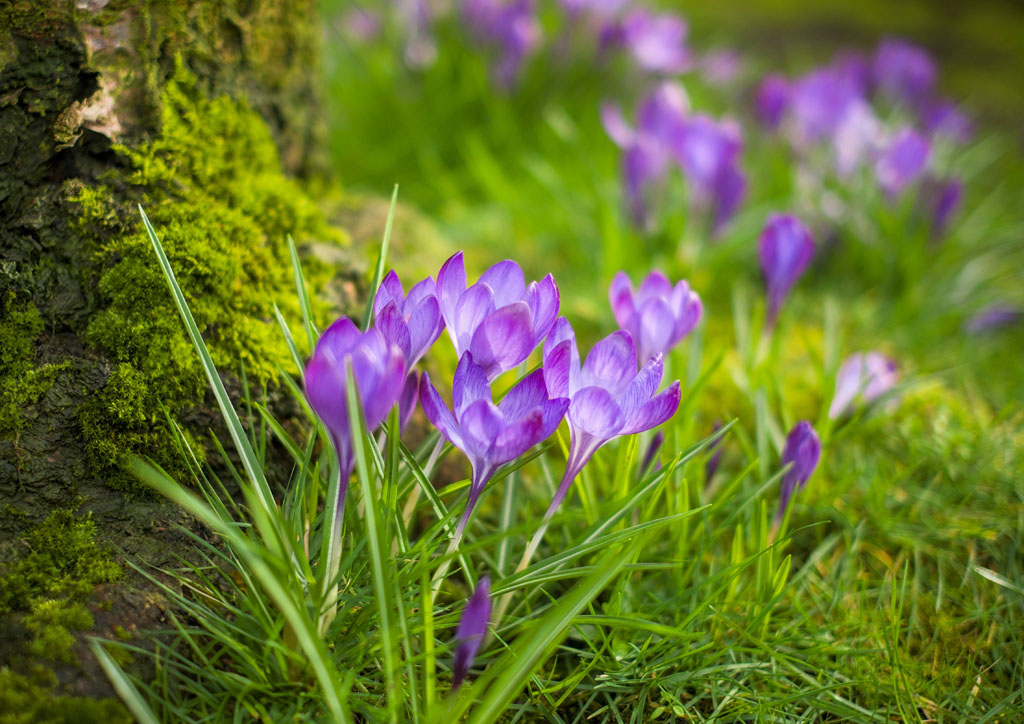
column 451, row 283
column 469, row 385
column 518, row 437
column 656, row 285
column 655, row 411
column 595, row 411
column 504, row 339
column 422, row 290
column 643, row 386
column 390, row 290
column 616, row 126
column 611, row 364
column 475, row 304
column 506, row 280
column 542, row 298
column 686, row 308
column 620, row 294
column 528, row 394
column 439, row 414
column 481, row 424
column 558, row 369
column 424, row 327
column 407, row 402
column 390, row 322
column 656, row 327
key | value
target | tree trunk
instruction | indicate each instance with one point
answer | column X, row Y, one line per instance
column 205, row 112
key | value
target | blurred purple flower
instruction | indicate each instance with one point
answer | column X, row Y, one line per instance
column 379, row 370
column 609, row 397
column 661, row 119
column 785, row 249
column 708, row 152
column 472, row 627
column 945, row 197
column 857, row 137
column 657, row 316
column 512, row 27
column 721, row 67
column 499, row 318
column 802, row 451
column 361, row 24
column 943, row 118
column 819, row 101
column 902, row 161
column 490, row 435
column 656, row 42
column 866, row 376
column 772, row 100
column 904, row 71
column 994, row 317
column 417, row 20
column 600, row 8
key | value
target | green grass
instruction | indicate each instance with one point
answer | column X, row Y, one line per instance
column 894, row 590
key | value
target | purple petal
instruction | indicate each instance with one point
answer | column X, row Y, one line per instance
column 552, row 413
column 475, row 304
column 340, row 337
column 543, row 299
column 325, row 388
column 655, row 285
column 472, row 627
column 615, row 125
column 407, row 402
column 686, row 308
column 902, row 162
column 643, row 386
column 611, row 364
column 504, row 339
column 558, row 369
column 517, row 438
column 377, row 403
column 392, row 325
column 424, row 327
column 802, row 451
column 772, row 100
column 506, row 280
column 451, row 283
column 481, row 423
column 469, row 384
column 439, row 414
column 656, row 327
column 595, row 411
column 528, row 394
column 390, row 290
column 422, row 290
column 654, row 412
column 620, row 294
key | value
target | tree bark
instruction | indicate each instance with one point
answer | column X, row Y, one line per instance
column 87, row 90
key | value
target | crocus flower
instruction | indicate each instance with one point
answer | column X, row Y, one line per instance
column 802, row 451
column 819, row 101
column 856, row 138
column 657, row 42
column 771, row 100
column 903, row 70
column 994, row 317
column 512, row 27
column 785, row 249
column 472, row 627
column 942, row 117
column 379, row 370
column 413, row 323
column 865, row 375
column 658, row 315
column 945, row 200
column 499, row 318
column 903, row 160
column 609, row 397
column 491, row 435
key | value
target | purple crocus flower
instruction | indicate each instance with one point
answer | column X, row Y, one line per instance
column 942, row 117
column 609, row 396
column 819, row 101
column 658, row 315
column 903, row 161
column 379, row 370
column 801, row 452
column 856, row 138
column 491, row 435
column 903, row 70
column 657, row 42
column 499, row 318
column 946, row 199
column 772, row 100
column 785, row 249
column 708, row 152
column 512, row 27
column 471, row 631
column 865, row 375
column 994, row 317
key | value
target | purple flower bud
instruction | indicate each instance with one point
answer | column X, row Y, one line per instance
column 727, row 194
column 903, row 70
column 785, row 249
column 946, row 199
column 609, row 396
column 772, row 100
column 511, row 27
column 705, row 148
column 471, row 631
column 658, row 315
column 379, row 371
column 994, row 317
column 903, row 161
column 499, row 319
column 491, row 435
column 657, row 42
column 801, row 452
column 865, row 375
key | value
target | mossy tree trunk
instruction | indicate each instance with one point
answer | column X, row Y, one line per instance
column 205, row 111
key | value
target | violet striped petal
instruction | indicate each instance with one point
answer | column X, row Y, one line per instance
column 595, row 411
column 438, row 413
column 528, row 394
column 611, row 363
column 472, row 627
column 504, row 339
column 655, row 411
column 469, row 384
column 451, row 284
column 506, row 280
column 620, row 294
column 473, row 307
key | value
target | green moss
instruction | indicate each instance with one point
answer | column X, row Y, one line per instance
column 32, row 700
column 213, row 187
column 50, row 623
column 21, row 382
